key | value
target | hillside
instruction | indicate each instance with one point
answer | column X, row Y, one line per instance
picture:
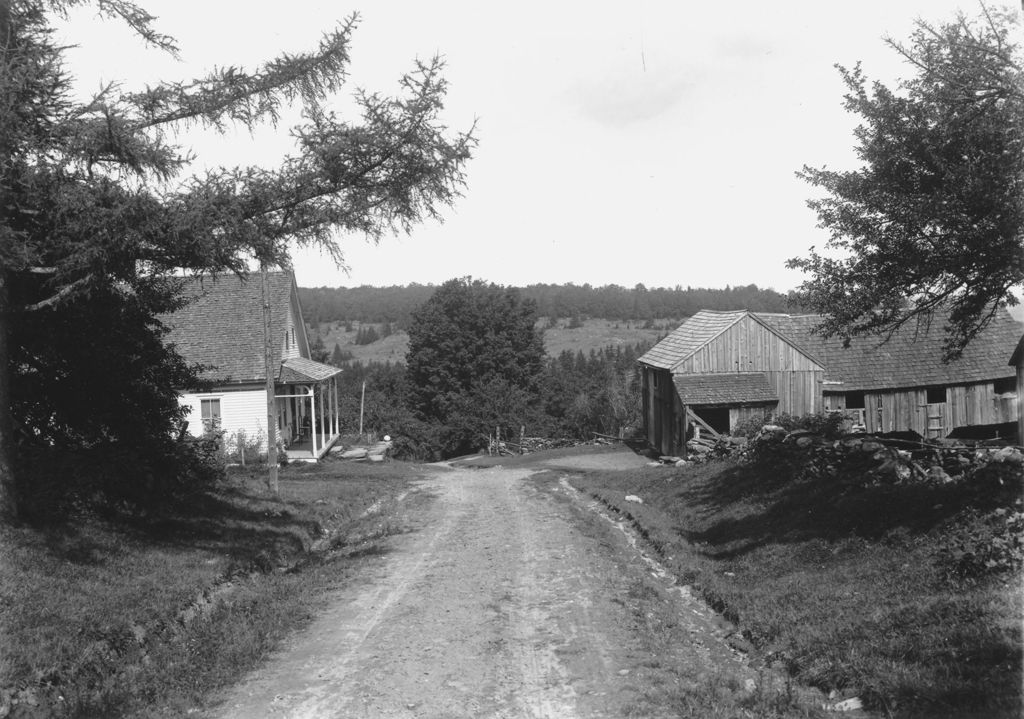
column 592, row 334
column 396, row 304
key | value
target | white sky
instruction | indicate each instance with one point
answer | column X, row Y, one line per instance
column 620, row 142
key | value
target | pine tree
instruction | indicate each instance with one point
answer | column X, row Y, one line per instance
column 98, row 212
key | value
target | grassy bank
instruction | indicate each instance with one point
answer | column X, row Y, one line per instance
column 900, row 594
column 144, row 617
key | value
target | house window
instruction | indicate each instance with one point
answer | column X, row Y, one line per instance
column 935, row 395
column 210, row 410
column 286, row 345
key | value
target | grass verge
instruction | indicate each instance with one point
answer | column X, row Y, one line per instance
column 144, row 617
column 888, row 593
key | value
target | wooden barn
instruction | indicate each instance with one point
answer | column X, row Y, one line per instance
column 718, row 369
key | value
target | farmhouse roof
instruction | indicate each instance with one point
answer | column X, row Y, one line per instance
column 221, row 327
column 299, row 370
column 912, row 357
column 731, row 388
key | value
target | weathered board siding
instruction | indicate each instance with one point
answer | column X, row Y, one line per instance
column 747, row 346
column 663, row 411
column 739, row 415
column 903, row 409
column 799, row 392
column 1019, row 409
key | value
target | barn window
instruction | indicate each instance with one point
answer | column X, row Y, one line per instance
column 935, row 395
column 1006, row 385
column 287, row 346
column 210, row 411
column 854, row 400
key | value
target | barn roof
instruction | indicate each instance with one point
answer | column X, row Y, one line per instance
column 222, row 326
column 727, row 388
column 1017, row 358
column 690, row 336
column 912, row 357
column 700, row 329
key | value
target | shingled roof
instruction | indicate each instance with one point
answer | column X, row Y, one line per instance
column 911, row 358
column 686, row 339
column 299, row 370
column 222, row 326
column 726, row 388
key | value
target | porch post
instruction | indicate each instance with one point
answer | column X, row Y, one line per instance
column 337, row 420
column 323, row 424
column 312, row 416
column 334, row 411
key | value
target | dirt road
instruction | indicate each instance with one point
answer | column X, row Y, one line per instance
column 501, row 602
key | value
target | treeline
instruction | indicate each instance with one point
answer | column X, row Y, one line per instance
column 396, row 304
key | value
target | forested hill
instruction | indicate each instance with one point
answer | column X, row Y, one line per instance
column 396, row 304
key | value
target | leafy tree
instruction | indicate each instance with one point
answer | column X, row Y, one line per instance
column 932, row 223
column 470, row 342
column 98, row 210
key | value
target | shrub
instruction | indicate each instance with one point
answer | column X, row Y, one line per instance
column 983, row 544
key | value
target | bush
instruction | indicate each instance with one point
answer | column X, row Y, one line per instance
column 55, row 483
column 827, row 424
column 983, row 544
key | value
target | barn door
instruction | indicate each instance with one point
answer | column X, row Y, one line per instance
column 936, row 425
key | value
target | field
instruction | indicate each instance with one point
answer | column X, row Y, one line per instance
column 593, row 334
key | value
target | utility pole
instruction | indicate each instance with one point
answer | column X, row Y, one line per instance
column 268, row 368
column 362, row 403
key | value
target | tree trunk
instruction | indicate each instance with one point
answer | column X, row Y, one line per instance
column 8, row 490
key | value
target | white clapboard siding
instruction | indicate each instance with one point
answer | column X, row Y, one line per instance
column 239, row 410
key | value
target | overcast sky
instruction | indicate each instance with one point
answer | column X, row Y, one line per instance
column 620, row 142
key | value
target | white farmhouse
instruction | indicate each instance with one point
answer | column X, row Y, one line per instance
column 221, row 328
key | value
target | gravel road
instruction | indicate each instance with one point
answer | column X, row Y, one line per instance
column 497, row 603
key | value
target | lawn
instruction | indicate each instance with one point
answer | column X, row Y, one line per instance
column 892, row 594
column 145, row 617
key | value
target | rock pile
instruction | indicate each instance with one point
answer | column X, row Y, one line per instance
column 881, row 458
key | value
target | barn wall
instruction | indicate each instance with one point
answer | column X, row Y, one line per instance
column 739, row 415
column 1020, row 402
column 903, row 409
column 979, row 404
column 747, row 346
column 799, row 392
column 663, row 412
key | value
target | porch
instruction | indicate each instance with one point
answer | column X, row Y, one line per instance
column 307, row 402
